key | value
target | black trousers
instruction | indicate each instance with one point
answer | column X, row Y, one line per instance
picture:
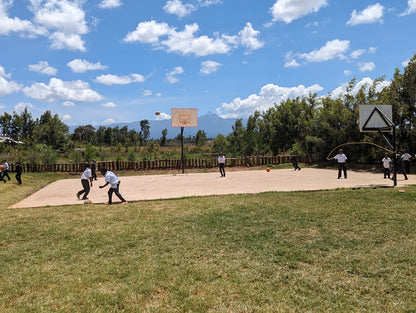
column 115, row 190
column 406, row 166
column 86, row 185
column 6, row 173
column 222, row 169
column 386, row 172
column 342, row 168
column 19, row 177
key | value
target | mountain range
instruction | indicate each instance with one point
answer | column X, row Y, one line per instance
column 211, row 123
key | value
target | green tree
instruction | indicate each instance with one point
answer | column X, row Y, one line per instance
column 200, row 138
column 237, row 138
column 221, row 144
column 84, row 133
column 50, row 130
column 163, row 138
column 144, row 130
column 6, row 124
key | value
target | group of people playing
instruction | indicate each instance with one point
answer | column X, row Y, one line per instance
column 402, row 164
column 5, row 169
column 110, row 178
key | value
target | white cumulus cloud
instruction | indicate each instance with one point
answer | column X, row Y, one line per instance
column 170, row 77
column 411, row 8
column 81, row 66
column 111, row 79
column 109, row 105
column 110, row 4
column 331, row 50
column 371, row 14
column 178, row 8
column 268, row 96
column 57, row 89
column 23, row 27
column 163, row 116
column 66, row 117
column 21, row 106
column 7, row 86
column 290, row 10
column 43, row 67
column 208, row 67
column 357, row 53
column 366, row 66
column 162, row 36
column 65, row 21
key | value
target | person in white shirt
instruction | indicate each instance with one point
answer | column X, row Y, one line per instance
column 6, row 170
column 341, row 158
column 112, row 179
column 406, row 157
column 86, row 179
column 221, row 162
column 386, row 165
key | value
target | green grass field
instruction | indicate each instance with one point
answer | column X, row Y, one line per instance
column 330, row 251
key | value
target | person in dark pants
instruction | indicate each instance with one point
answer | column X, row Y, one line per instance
column 221, row 163
column 112, row 179
column 386, row 165
column 6, row 170
column 341, row 158
column 18, row 170
column 93, row 170
column 294, row 161
column 406, row 157
column 1, row 174
column 400, row 166
column 86, row 179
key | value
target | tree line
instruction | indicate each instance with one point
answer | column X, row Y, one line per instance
column 302, row 125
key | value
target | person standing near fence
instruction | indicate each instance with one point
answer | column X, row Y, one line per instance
column 93, row 170
column 114, row 181
column 18, row 169
column 221, row 163
column 294, row 161
column 341, row 158
column 86, row 179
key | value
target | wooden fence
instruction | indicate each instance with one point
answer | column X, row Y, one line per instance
column 165, row 164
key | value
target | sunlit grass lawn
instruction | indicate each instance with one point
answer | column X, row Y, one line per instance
column 337, row 251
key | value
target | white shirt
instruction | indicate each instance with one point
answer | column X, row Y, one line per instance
column 87, row 174
column 386, row 162
column 6, row 166
column 221, row 159
column 406, row 157
column 112, row 179
column 341, row 158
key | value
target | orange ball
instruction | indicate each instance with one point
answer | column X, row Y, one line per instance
column 268, row 169
column 1, row 167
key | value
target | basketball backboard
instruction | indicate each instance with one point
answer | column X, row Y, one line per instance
column 374, row 118
column 184, row 117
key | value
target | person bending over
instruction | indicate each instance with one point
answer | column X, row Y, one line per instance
column 114, row 181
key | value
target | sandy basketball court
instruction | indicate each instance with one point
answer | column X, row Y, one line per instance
column 170, row 186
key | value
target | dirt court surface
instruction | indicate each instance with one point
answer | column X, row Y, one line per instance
column 170, row 186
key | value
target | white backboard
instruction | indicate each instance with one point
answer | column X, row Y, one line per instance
column 184, row 117
column 376, row 118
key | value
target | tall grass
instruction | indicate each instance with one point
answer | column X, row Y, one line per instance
column 338, row 251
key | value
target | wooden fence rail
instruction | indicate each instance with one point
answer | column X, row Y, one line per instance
column 165, row 164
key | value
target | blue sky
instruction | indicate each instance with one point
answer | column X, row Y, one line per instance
column 115, row 61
